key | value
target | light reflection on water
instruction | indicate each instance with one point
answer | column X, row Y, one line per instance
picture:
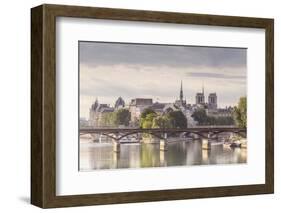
column 101, row 156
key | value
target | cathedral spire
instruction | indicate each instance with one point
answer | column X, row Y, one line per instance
column 181, row 93
column 95, row 104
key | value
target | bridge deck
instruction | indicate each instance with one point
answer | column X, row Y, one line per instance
column 166, row 130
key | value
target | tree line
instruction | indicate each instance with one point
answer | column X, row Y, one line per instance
column 202, row 118
column 148, row 119
column 116, row 118
column 238, row 116
column 176, row 119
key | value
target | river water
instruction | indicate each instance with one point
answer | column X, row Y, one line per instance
column 95, row 156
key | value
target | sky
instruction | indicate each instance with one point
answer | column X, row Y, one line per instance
column 112, row 70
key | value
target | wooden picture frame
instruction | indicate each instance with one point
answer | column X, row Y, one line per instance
column 43, row 105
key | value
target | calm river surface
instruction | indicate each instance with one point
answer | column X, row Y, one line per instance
column 140, row 155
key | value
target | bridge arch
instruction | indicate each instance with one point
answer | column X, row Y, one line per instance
column 127, row 134
column 214, row 133
column 196, row 133
column 240, row 133
column 117, row 134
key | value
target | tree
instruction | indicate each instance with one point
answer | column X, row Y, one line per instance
column 147, row 121
column 240, row 113
column 146, row 118
column 107, row 119
column 122, row 117
column 224, row 121
column 178, row 119
column 212, row 121
column 163, row 121
column 200, row 116
column 146, row 112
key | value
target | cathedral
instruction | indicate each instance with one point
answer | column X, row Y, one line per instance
column 181, row 103
column 138, row 105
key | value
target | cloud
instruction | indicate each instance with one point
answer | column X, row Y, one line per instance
column 215, row 75
column 101, row 53
column 110, row 70
column 162, row 83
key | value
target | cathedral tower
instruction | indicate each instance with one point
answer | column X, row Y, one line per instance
column 181, row 93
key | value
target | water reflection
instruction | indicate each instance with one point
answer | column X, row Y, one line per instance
column 102, row 156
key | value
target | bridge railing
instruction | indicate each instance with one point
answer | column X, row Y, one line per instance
column 170, row 130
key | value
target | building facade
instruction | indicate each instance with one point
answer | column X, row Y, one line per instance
column 96, row 113
column 223, row 112
column 137, row 106
column 200, row 98
column 212, row 101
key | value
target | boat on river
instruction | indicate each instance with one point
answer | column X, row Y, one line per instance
column 129, row 139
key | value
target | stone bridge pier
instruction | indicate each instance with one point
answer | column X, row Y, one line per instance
column 206, row 143
column 163, row 145
column 116, row 146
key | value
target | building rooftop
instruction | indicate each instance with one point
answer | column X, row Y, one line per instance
column 119, row 103
column 158, row 105
column 142, row 101
column 108, row 109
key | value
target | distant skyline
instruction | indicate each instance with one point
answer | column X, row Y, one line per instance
column 110, row 70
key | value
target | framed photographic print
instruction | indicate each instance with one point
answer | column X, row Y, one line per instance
column 136, row 106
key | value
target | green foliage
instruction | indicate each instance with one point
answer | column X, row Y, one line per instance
column 147, row 121
column 147, row 124
column 122, row 117
column 225, row 121
column 202, row 118
column 108, row 119
column 119, row 117
column 146, row 118
column 177, row 119
column 240, row 113
column 163, row 121
column 146, row 112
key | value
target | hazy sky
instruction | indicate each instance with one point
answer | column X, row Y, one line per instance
column 110, row 70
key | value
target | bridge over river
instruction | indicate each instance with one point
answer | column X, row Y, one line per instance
column 162, row 133
column 206, row 133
